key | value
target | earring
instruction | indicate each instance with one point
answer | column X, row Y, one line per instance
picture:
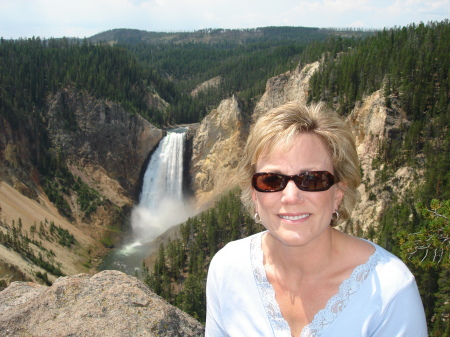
column 335, row 216
column 257, row 218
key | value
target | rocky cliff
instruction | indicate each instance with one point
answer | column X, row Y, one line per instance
column 103, row 140
column 109, row 303
column 291, row 86
column 374, row 125
column 216, row 150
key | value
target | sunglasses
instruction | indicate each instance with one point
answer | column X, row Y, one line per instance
column 312, row 181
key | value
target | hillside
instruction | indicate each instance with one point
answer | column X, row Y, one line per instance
column 61, row 215
column 244, row 59
column 223, row 37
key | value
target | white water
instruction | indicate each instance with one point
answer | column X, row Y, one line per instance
column 164, row 175
column 161, row 203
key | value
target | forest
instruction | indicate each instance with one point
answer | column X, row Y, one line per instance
column 32, row 68
column 410, row 64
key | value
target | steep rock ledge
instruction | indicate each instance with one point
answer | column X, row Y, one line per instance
column 102, row 138
column 109, row 303
column 217, row 146
column 291, row 86
column 374, row 124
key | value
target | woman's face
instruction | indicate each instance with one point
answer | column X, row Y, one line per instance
column 293, row 216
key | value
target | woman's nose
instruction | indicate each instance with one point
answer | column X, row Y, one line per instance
column 291, row 193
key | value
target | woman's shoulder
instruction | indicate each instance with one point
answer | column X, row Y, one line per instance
column 234, row 257
column 237, row 247
column 386, row 265
column 390, row 265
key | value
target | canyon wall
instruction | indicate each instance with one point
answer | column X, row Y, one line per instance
column 216, row 148
column 104, row 146
column 103, row 140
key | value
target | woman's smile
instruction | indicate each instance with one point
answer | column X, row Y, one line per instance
column 293, row 217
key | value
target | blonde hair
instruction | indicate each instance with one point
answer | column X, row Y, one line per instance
column 281, row 125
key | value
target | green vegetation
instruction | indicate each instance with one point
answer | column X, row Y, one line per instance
column 59, row 182
column 243, row 59
column 30, row 247
column 429, row 246
column 427, row 250
column 131, row 69
column 33, row 68
column 64, row 237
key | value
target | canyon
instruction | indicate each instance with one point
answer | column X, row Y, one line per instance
column 109, row 150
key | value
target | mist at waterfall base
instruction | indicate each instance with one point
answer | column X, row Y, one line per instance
column 161, row 205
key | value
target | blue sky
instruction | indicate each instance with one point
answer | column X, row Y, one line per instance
column 84, row 18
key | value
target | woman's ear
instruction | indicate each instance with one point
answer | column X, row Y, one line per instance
column 339, row 195
column 254, row 197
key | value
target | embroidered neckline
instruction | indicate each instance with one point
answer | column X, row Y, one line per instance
column 323, row 317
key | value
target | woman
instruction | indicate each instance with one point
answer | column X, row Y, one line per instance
column 302, row 277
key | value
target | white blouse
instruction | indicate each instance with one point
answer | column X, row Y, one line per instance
column 380, row 298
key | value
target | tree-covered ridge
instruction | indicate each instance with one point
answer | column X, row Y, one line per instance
column 412, row 66
column 134, row 63
column 127, row 71
column 411, row 62
column 244, row 59
column 32, row 69
column 243, row 69
column 226, row 38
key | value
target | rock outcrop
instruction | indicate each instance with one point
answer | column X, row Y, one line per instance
column 205, row 86
column 217, row 146
column 291, row 86
column 373, row 124
column 10, row 273
column 109, row 303
column 101, row 137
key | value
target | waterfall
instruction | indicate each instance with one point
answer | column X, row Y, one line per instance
column 164, row 175
column 161, row 203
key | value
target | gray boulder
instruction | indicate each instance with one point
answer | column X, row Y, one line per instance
column 109, row 303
